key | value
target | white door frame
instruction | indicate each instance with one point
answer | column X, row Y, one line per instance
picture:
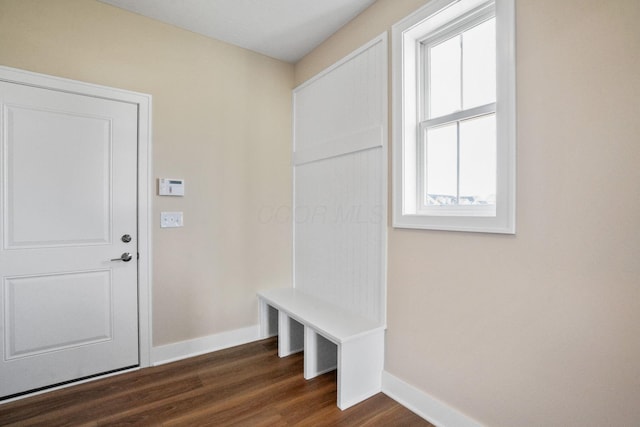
column 143, row 101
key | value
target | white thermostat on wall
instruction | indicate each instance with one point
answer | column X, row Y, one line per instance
column 170, row 187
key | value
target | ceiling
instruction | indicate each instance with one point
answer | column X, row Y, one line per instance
column 282, row 29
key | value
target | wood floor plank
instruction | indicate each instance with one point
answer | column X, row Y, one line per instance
column 247, row 385
column 256, row 400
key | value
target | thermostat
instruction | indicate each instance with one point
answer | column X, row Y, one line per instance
column 170, row 187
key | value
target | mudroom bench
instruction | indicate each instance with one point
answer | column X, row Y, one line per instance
column 330, row 337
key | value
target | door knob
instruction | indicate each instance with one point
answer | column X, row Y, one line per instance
column 126, row 257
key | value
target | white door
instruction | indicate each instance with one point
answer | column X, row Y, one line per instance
column 67, row 197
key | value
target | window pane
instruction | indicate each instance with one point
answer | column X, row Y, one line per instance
column 478, row 161
column 444, row 77
column 442, row 165
column 479, row 69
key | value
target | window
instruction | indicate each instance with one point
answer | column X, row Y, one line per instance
column 454, row 117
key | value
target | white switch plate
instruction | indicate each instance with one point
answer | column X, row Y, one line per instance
column 170, row 219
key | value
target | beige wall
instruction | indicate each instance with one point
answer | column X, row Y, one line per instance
column 221, row 121
column 540, row 328
column 537, row 329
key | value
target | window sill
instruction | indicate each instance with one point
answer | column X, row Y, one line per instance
column 476, row 224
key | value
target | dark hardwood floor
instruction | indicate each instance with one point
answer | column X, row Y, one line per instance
column 247, row 385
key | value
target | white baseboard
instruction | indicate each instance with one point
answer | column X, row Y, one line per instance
column 423, row 404
column 195, row 347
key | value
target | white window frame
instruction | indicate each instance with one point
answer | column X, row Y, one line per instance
column 407, row 41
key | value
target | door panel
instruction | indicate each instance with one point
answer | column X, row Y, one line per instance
column 68, row 167
column 41, row 174
column 88, row 296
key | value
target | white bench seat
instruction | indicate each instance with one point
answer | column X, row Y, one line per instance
column 331, row 338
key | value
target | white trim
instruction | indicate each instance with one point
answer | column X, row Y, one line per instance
column 195, row 347
column 144, row 103
column 406, row 37
column 346, row 144
column 506, row 109
column 145, row 191
column 423, row 404
column 458, row 116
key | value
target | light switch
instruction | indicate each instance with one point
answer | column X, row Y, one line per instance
column 170, row 219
